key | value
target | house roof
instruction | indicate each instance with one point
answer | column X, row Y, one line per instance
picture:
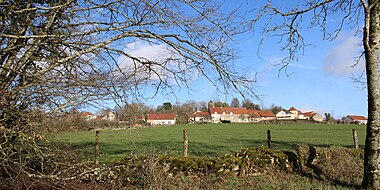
column 357, row 117
column 309, row 114
column 253, row 113
column 159, row 116
column 228, row 110
column 266, row 113
column 294, row 109
column 86, row 114
column 200, row 114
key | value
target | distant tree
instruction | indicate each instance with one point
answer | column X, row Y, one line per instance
column 134, row 113
column 235, row 103
column 167, row 106
column 202, row 106
column 328, row 117
column 275, row 109
column 250, row 105
column 189, row 106
column 220, row 104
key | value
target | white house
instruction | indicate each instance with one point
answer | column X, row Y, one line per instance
column 284, row 115
column 355, row 119
column 109, row 116
column 161, row 119
column 200, row 117
column 239, row 115
column 314, row 116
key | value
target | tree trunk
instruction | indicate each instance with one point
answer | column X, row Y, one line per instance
column 371, row 41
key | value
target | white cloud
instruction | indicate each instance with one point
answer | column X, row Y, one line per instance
column 164, row 62
column 343, row 57
column 303, row 66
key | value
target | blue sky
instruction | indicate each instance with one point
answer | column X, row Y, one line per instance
column 320, row 80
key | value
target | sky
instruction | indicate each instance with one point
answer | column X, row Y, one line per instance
column 321, row 80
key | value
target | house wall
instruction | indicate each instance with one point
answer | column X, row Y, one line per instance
column 201, row 119
column 302, row 117
column 282, row 115
column 347, row 120
column 161, row 122
column 318, row 117
column 268, row 118
column 109, row 117
column 235, row 118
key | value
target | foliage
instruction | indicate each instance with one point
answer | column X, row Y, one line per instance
column 250, row 105
column 275, row 109
column 328, row 117
column 219, row 104
column 235, row 103
column 257, row 168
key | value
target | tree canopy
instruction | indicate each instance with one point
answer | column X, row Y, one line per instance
column 57, row 55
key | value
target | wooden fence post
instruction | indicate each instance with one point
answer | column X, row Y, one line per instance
column 97, row 149
column 355, row 136
column 185, row 143
column 269, row 140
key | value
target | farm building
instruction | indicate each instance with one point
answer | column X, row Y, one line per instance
column 87, row 116
column 161, row 119
column 200, row 117
column 355, row 119
column 240, row 115
column 294, row 114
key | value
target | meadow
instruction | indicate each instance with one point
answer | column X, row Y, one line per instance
column 208, row 139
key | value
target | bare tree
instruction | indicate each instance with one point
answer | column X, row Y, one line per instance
column 235, row 103
column 59, row 54
column 364, row 15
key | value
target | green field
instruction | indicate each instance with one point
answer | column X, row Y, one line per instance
column 210, row 139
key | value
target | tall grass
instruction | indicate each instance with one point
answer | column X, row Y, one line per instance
column 209, row 139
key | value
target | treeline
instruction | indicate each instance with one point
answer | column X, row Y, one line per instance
column 133, row 112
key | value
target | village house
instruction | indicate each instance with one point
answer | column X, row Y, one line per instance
column 88, row 116
column 200, row 117
column 161, row 119
column 239, row 115
column 355, row 119
column 109, row 116
column 314, row 116
column 266, row 115
column 294, row 114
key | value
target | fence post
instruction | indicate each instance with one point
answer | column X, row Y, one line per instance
column 269, row 139
column 185, row 142
column 97, row 148
column 355, row 136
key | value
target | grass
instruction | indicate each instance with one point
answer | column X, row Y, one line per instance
column 209, row 139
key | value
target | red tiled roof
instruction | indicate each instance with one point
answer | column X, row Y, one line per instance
column 266, row 113
column 253, row 113
column 357, row 117
column 161, row 116
column 86, row 114
column 228, row 110
column 309, row 114
column 293, row 109
column 200, row 114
